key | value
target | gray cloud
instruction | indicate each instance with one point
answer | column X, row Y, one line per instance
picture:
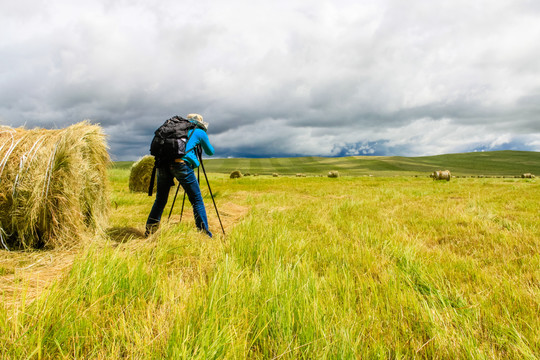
column 281, row 78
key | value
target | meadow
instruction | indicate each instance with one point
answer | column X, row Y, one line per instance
column 355, row 267
column 493, row 163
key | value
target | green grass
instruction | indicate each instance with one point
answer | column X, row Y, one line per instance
column 496, row 163
column 353, row 267
column 122, row 165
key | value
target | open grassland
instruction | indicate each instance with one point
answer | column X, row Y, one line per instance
column 315, row 268
column 496, row 163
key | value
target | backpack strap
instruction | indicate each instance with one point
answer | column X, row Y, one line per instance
column 189, row 137
column 152, row 178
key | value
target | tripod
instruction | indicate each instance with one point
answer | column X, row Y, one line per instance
column 198, row 152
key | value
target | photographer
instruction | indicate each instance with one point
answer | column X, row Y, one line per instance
column 182, row 170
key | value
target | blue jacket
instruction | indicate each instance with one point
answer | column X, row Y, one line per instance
column 199, row 137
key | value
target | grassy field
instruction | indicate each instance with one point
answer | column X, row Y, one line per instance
column 317, row 268
column 496, row 163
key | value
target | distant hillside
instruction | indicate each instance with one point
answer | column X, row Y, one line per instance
column 479, row 163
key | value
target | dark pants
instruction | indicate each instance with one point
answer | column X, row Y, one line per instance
column 186, row 177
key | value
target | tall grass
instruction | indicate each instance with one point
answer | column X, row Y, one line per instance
column 393, row 268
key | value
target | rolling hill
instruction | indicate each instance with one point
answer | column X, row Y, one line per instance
column 494, row 163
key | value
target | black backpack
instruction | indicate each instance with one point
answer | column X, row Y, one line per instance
column 169, row 143
column 170, row 140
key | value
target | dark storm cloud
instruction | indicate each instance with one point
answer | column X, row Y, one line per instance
column 280, row 78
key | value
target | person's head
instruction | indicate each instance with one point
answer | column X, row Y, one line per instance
column 198, row 119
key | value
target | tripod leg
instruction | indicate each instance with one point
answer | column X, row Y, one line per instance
column 211, row 195
column 182, row 211
column 172, row 206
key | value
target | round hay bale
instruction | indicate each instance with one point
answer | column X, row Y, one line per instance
column 141, row 171
column 527, row 176
column 236, row 174
column 300, row 175
column 275, row 175
column 54, row 185
column 333, row 174
column 441, row 175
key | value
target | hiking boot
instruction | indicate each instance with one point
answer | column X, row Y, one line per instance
column 150, row 229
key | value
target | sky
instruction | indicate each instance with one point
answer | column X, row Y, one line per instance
column 279, row 78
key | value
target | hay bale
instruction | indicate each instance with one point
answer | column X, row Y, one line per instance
column 236, row 174
column 300, row 175
column 441, row 175
column 140, row 174
column 53, row 185
column 333, row 174
column 527, row 176
column 275, row 175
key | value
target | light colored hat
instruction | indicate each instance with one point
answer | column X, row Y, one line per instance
column 198, row 119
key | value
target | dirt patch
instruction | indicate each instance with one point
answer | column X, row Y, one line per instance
column 25, row 274
column 230, row 214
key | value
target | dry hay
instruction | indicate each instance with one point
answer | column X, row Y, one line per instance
column 333, row 174
column 300, row 175
column 527, row 176
column 236, row 174
column 30, row 272
column 441, row 175
column 53, row 185
column 141, row 171
column 275, row 175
